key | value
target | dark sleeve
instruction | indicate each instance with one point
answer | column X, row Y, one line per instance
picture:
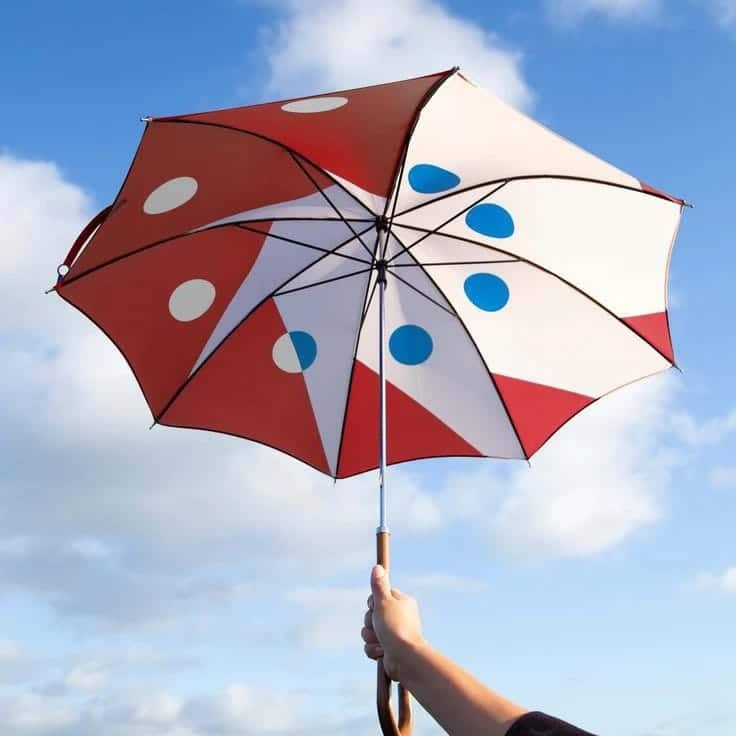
column 540, row 724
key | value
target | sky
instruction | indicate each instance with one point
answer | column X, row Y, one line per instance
column 181, row 583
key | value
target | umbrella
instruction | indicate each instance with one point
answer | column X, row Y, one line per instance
column 414, row 256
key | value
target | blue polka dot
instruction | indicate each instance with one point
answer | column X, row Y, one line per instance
column 305, row 347
column 491, row 220
column 430, row 179
column 488, row 292
column 410, row 344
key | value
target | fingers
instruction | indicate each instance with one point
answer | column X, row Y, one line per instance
column 369, row 636
column 373, row 651
column 368, row 620
column 380, row 584
column 395, row 592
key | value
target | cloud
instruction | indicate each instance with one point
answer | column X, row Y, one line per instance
column 723, row 477
column 330, row 617
column 706, row 432
column 599, row 480
column 87, row 676
column 567, row 12
column 233, row 710
column 241, row 708
column 724, row 11
column 713, row 719
column 99, row 672
column 42, row 214
column 724, row 582
column 329, row 44
column 35, row 715
column 443, row 582
column 15, row 662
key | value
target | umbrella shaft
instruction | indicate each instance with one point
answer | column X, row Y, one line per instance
column 382, row 391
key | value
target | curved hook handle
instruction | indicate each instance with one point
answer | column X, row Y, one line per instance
column 383, row 685
column 385, row 712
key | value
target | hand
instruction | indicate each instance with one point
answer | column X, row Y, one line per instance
column 392, row 624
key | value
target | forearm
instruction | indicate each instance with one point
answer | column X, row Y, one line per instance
column 460, row 703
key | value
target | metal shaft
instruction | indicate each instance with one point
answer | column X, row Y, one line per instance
column 382, row 395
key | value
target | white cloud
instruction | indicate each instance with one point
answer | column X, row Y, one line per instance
column 603, row 477
column 332, row 44
column 87, row 676
column 706, row 432
column 233, row 710
column 570, row 11
column 240, row 708
column 724, row 11
column 157, row 708
column 15, row 662
column 330, row 617
column 41, row 215
column 443, row 582
column 723, row 477
column 34, row 715
column 724, row 582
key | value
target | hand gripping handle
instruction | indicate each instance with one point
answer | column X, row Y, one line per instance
column 383, row 687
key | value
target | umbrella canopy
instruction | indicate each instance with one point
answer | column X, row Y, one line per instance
column 377, row 275
column 236, row 271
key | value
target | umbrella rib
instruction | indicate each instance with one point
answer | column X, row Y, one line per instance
column 306, row 219
column 323, row 281
column 480, row 357
column 426, row 296
column 401, row 163
column 531, row 177
column 520, row 259
column 308, row 245
column 170, row 238
column 329, row 201
column 367, row 304
column 452, row 263
column 441, row 225
column 367, row 298
column 268, row 296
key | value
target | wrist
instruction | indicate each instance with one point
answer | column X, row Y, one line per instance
column 410, row 659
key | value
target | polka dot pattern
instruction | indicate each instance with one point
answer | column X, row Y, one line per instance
column 487, row 291
column 170, row 195
column 431, row 179
column 191, row 299
column 410, row 345
column 295, row 352
column 491, row 220
column 315, row 104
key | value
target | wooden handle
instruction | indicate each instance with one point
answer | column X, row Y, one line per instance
column 383, row 686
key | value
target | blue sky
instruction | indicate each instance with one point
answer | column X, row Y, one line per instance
column 183, row 584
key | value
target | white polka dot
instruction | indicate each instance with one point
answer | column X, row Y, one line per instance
column 170, row 195
column 315, row 104
column 191, row 299
column 285, row 355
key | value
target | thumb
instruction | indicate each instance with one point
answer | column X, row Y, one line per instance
column 379, row 582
